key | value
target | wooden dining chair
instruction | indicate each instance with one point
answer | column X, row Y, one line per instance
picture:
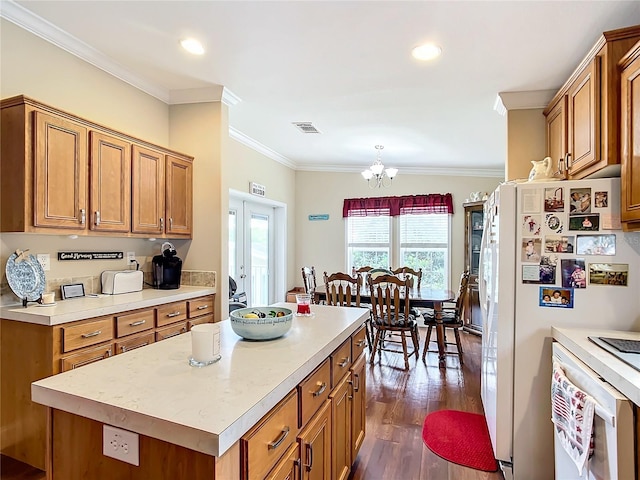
column 452, row 318
column 343, row 290
column 309, row 281
column 363, row 271
column 392, row 317
column 415, row 276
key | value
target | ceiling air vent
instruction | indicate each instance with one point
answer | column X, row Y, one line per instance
column 306, row 127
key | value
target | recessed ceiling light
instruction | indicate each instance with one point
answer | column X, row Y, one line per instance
column 428, row 51
column 192, row 45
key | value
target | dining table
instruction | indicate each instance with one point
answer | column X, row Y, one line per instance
column 419, row 297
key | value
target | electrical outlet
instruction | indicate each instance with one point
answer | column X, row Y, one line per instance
column 121, row 444
column 131, row 256
column 45, row 260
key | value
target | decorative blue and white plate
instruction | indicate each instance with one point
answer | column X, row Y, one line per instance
column 25, row 276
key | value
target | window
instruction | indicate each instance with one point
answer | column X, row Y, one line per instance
column 397, row 233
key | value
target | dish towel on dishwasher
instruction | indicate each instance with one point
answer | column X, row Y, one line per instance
column 572, row 412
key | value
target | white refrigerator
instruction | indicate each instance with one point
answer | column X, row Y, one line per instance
column 540, row 238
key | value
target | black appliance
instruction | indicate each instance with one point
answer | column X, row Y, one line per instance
column 167, row 268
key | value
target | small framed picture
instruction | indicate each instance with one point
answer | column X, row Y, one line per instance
column 72, row 290
column 601, row 199
column 585, row 222
column 531, row 249
column 574, row 274
column 608, row 274
column 596, row 244
column 554, row 199
column 558, row 244
column 556, row 297
column 579, row 201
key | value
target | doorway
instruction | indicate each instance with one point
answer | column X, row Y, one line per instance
column 256, row 244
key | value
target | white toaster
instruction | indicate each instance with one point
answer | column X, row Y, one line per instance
column 121, row 281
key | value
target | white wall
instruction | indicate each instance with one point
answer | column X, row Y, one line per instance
column 322, row 243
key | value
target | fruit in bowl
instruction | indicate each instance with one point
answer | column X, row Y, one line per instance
column 261, row 323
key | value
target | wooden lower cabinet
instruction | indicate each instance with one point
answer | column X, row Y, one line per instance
column 315, row 445
column 86, row 357
column 133, row 342
column 359, row 406
column 341, row 409
column 288, row 468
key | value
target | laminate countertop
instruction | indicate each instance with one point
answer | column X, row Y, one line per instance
column 81, row 308
column 617, row 373
column 153, row 391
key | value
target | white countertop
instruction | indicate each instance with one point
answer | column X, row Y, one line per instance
column 620, row 375
column 153, row 390
column 88, row 307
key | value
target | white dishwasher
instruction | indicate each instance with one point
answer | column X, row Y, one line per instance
column 613, row 457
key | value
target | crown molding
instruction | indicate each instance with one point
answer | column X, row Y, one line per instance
column 27, row 20
column 260, row 148
column 229, row 98
column 439, row 171
column 506, row 101
column 195, row 95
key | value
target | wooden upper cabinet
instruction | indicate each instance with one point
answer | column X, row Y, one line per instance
column 110, row 199
column 148, row 191
column 65, row 173
column 557, row 130
column 630, row 139
column 60, row 172
column 583, row 118
column 179, row 196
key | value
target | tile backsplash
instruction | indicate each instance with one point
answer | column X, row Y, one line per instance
column 92, row 284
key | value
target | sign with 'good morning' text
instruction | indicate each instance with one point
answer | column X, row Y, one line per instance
column 90, row 255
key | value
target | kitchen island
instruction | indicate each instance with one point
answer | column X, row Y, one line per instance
column 190, row 420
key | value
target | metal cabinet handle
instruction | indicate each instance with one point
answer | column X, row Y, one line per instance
column 124, row 347
column 276, row 443
column 98, row 217
column 171, row 223
column 567, row 160
column 161, row 223
column 83, row 216
column 356, row 385
column 322, row 388
column 182, row 330
column 174, row 314
column 92, row 334
column 139, row 322
column 344, row 363
column 202, row 307
column 309, row 465
column 361, row 343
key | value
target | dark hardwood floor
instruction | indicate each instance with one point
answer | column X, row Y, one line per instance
column 397, row 404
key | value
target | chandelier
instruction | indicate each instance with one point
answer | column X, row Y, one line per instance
column 377, row 175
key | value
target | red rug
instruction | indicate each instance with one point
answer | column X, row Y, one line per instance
column 460, row 437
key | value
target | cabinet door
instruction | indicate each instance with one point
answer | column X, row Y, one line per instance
column 289, row 467
column 148, row 191
column 359, row 404
column 110, row 167
column 315, row 445
column 341, row 406
column 584, row 118
column 630, row 143
column 60, row 163
column 179, row 196
column 172, row 331
column 557, row 130
column 137, row 341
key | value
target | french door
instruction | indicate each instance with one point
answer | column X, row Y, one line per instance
column 251, row 250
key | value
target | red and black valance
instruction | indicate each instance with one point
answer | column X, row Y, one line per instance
column 405, row 205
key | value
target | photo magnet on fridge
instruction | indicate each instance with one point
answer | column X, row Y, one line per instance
column 556, row 297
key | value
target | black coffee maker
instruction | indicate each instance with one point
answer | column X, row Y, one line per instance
column 167, row 268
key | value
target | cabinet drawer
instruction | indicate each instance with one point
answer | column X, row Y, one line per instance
column 287, row 468
column 340, row 362
column 172, row 331
column 199, row 320
column 358, row 343
column 200, row 306
column 137, row 341
column 86, row 334
column 84, row 358
column 265, row 443
column 134, row 322
column 313, row 391
column 171, row 313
